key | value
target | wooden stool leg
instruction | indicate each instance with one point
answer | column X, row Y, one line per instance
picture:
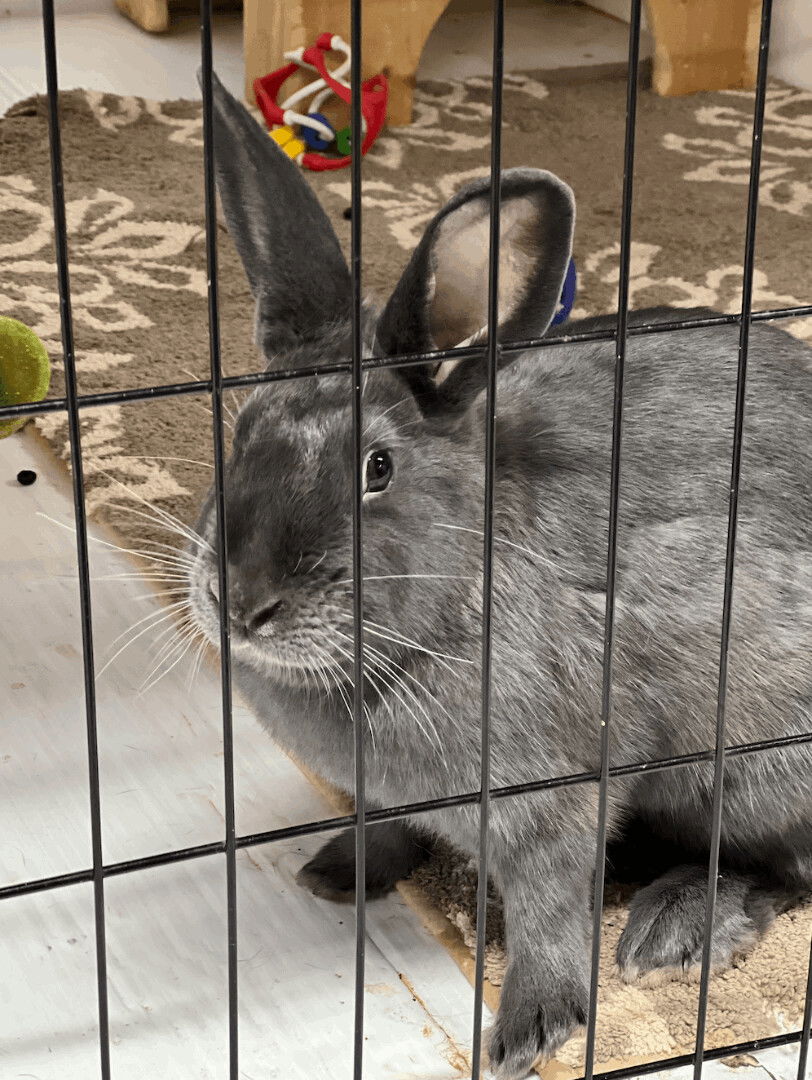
column 704, row 44
column 394, row 34
column 152, row 15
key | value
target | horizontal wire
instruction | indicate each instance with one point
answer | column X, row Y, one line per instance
column 148, row 862
column 258, row 378
column 749, row 1047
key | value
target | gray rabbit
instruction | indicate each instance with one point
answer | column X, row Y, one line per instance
column 289, row 484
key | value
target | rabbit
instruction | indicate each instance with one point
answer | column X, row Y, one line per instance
column 289, row 483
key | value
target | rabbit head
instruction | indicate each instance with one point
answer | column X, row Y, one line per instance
column 289, row 478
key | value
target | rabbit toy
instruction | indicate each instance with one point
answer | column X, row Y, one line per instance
column 289, row 525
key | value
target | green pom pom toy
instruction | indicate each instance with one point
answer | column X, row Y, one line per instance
column 25, row 371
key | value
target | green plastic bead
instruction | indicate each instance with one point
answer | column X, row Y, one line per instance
column 344, row 141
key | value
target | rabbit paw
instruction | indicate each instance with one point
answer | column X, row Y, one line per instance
column 666, row 926
column 531, row 1025
column 392, row 853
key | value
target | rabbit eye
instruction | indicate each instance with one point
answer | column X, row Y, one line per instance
column 379, row 471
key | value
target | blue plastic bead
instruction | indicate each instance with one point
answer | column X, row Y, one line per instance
column 567, row 295
column 312, row 138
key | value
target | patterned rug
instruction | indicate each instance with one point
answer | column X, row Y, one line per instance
column 135, row 220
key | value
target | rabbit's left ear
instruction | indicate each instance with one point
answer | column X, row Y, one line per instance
column 292, row 258
column 442, row 298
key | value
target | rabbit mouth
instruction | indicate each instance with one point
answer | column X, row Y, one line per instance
column 295, row 654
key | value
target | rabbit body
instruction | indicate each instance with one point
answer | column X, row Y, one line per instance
column 289, row 531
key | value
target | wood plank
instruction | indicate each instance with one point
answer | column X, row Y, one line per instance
column 702, row 46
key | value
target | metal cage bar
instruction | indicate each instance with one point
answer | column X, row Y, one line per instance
column 611, row 555
column 357, row 540
column 803, row 1050
column 215, row 363
column 492, row 365
column 80, row 516
column 719, row 757
column 72, row 402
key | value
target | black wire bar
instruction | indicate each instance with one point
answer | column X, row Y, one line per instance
column 733, row 514
column 375, row 363
column 216, row 390
column 492, row 361
column 611, row 556
column 803, row 1052
column 80, row 517
column 392, row 813
column 356, row 137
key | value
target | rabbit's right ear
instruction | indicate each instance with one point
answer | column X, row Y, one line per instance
column 291, row 254
column 442, row 298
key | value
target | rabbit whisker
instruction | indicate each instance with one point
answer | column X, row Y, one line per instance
column 508, row 543
column 157, row 457
column 393, row 577
column 164, row 515
column 382, row 665
column 155, row 557
column 186, row 642
column 151, row 626
column 159, row 612
column 400, row 639
column 197, row 663
column 157, row 595
column 166, row 524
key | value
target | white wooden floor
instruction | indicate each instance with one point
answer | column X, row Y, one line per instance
column 161, row 782
column 161, row 778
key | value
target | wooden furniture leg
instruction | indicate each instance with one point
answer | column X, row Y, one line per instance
column 704, row 44
column 394, row 33
column 152, row 15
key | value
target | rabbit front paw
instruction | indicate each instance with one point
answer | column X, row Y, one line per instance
column 393, row 850
column 532, row 1023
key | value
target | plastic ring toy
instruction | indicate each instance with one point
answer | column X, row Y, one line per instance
column 312, row 137
column 344, row 141
column 567, row 295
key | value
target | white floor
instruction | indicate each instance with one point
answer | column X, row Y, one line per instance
column 162, row 784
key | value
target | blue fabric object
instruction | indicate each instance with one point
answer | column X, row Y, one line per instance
column 567, row 295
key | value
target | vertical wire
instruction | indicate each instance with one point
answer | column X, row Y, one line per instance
column 222, row 549
column 803, row 1051
column 357, row 538
column 614, row 502
column 492, row 360
column 733, row 511
column 74, row 432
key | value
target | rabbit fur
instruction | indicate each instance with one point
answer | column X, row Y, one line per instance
column 289, row 534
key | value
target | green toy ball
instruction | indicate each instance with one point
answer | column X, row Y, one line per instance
column 25, row 371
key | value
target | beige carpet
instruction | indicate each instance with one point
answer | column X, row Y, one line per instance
column 135, row 219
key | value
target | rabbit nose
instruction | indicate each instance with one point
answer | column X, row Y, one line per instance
column 239, row 611
column 266, row 614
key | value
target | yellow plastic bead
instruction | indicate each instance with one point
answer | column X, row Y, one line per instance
column 294, row 147
column 282, row 135
column 286, row 138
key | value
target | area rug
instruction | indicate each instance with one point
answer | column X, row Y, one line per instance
column 135, row 221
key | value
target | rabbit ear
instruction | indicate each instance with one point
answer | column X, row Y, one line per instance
column 291, row 255
column 442, row 298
